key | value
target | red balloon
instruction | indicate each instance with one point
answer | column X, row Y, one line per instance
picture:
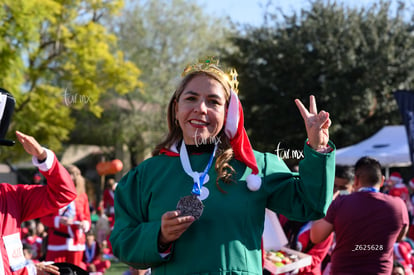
column 109, row 167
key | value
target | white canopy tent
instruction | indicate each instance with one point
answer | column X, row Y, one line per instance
column 389, row 146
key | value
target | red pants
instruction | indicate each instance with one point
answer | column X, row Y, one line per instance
column 73, row 257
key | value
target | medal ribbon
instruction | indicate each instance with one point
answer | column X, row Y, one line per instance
column 89, row 252
column 198, row 178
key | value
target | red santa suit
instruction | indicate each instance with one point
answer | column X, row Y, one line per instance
column 20, row 203
column 108, row 201
column 66, row 243
column 402, row 253
column 317, row 251
column 401, row 190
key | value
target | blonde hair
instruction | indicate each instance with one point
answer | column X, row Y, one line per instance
column 224, row 152
column 78, row 179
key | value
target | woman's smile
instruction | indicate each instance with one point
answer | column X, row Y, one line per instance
column 201, row 108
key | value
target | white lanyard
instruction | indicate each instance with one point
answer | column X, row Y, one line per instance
column 198, row 178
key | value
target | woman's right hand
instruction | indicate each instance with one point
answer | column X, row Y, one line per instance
column 317, row 124
column 31, row 146
column 173, row 226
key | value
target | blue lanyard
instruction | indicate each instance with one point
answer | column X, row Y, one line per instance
column 198, row 178
column 198, row 185
column 368, row 189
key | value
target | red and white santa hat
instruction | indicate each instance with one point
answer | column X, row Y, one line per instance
column 395, row 176
column 243, row 151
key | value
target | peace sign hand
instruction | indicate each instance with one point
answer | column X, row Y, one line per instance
column 317, row 124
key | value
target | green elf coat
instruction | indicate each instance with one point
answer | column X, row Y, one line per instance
column 227, row 237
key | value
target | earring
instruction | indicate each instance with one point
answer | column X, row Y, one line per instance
column 176, row 122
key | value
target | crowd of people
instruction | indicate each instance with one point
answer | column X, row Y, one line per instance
column 44, row 224
column 95, row 242
column 68, row 235
column 368, row 227
column 22, row 203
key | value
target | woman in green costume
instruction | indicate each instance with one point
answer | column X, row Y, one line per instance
column 175, row 215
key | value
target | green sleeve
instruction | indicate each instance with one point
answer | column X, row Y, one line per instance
column 134, row 238
column 300, row 196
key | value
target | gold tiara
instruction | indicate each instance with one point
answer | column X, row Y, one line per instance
column 210, row 64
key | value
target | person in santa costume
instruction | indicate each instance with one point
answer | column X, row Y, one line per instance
column 108, row 200
column 108, row 204
column 26, row 202
column 68, row 225
column 403, row 254
column 411, row 192
column 397, row 187
column 92, row 260
column 317, row 251
column 207, row 169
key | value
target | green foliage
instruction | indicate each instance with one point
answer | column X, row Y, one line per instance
column 57, row 57
column 160, row 37
column 350, row 59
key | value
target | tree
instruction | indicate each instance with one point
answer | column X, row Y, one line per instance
column 57, row 57
column 160, row 37
column 350, row 59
